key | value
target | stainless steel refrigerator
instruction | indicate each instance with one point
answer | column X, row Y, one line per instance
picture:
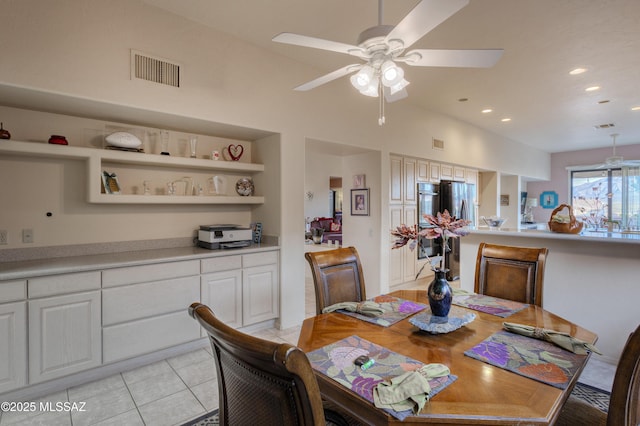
column 459, row 199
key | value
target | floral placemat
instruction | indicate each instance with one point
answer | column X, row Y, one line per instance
column 488, row 304
column 528, row 357
column 395, row 309
column 336, row 361
column 430, row 323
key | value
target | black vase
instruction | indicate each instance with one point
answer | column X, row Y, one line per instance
column 440, row 294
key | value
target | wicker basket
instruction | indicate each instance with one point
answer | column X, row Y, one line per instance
column 573, row 227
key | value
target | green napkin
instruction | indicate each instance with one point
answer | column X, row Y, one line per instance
column 461, row 292
column 368, row 308
column 558, row 338
column 409, row 391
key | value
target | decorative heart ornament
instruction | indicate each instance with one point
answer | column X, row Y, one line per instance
column 235, row 151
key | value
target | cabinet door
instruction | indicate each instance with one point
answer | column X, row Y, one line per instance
column 422, row 172
column 410, row 257
column 64, row 335
column 434, row 172
column 410, row 188
column 395, row 191
column 396, row 256
column 13, row 346
column 222, row 292
column 459, row 173
column 260, row 294
column 446, row 172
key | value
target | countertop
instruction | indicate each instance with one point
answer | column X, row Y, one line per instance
column 63, row 265
column 632, row 237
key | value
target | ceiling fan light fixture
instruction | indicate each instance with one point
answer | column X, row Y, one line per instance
column 398, row 87
column 391, row 74
column 363, row 78
column 372, row 88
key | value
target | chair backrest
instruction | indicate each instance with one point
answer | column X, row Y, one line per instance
column 513, row 273
column 337, row 276
column 624, row 406
column 258, row 380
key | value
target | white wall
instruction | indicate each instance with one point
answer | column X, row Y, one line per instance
column 81, row 49
column 318, row 169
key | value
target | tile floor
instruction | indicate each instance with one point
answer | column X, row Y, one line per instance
column 178, row 389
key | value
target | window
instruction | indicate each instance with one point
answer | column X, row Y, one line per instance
column 602, row 196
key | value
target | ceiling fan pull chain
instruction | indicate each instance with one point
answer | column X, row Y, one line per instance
column 381, row 108
column 380, row 12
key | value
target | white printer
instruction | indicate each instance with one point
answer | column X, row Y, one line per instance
column 224, row 236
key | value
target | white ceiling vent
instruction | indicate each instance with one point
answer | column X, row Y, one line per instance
column 155, row 69
column 437, row 144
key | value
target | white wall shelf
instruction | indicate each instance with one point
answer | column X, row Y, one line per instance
column 96, row 157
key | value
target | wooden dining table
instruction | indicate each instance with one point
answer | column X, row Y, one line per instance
column 482, row 394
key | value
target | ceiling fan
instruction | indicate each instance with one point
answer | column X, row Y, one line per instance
column 382, row 46
column 617, row 160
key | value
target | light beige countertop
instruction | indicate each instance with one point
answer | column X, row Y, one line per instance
column 63, row 265
column 632, row 237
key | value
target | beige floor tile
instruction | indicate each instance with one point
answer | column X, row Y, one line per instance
column 89, row 390
column 189, row 358
column 146, row 372
column 38, row 418
column 153, row 388
column 172, row 410
column 207, row 394
column 130, row 418
column 103, row 406
column 200, row 372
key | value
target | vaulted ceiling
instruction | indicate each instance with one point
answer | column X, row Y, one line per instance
column 543, row 40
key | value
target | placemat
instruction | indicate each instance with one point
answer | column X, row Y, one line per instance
column 489, row 304
column 528, row 357
column 336, row 361
column 396, row 309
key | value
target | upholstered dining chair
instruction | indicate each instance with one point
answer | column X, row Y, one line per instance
column 513, row 273
column 337, row 276
column 624, row 405
column 261, row 381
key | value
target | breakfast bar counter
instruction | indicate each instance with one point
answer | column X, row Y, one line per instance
column 592, row 278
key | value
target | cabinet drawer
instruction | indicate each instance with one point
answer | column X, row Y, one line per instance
column 147, row 335
column 126, row 303
column 147, row 273
column 222, row 263
column 54, row 285
column 259, row 259
column 11, row 291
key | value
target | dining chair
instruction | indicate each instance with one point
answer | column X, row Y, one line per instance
column 513, row 273
column 624, row 404
column 337, row 276
column 260, row 379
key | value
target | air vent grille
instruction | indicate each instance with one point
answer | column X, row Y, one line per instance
column 437, row 144
column 154, row 69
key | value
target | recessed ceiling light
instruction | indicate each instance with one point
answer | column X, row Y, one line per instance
column 635, row 108
column 487, row 111
column 592, row 88
column 463, row 99
column 504, row 120
column 577, row 71
column 604, row 101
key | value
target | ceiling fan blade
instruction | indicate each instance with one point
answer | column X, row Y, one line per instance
column 318, row 43
column 468, row 58
column 329, row 77
column 427, row 15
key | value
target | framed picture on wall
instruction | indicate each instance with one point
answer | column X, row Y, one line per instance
column 549, row 200
column 358, row 181
column 360, row 202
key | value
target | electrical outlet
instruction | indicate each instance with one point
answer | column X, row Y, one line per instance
column 27, row 235
column 3, row 237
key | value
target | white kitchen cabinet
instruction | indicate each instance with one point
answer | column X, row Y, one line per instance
column 260, row 293
column 409, row 182
column 434, row 172
column 222, row 292
column 150, row 301
column 13, row 345
column 410, row 257
column 396, row 194
column 65, row 335
column 422, row 171
column 446, row 172
column 459, row 174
